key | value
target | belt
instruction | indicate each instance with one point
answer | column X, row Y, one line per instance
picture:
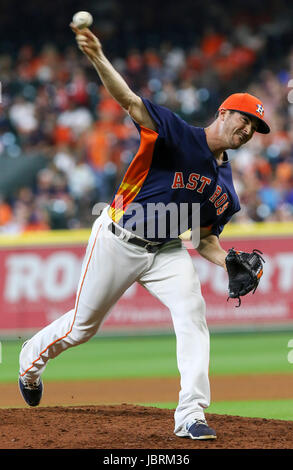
column 151, row 247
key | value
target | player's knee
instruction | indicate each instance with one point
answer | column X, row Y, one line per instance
column 200, row 305
column 81, row 334
column 193, row 307
column 197, row 311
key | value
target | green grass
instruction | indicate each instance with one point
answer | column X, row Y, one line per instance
column 250, row 353
column 155, row 356
column 269, row 409
column 102, row 358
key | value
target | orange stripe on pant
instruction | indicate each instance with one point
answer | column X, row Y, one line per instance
column 76, row 307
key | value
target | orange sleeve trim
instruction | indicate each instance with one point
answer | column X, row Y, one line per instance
column 76, row 307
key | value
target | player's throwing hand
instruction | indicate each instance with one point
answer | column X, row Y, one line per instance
column 87, row 42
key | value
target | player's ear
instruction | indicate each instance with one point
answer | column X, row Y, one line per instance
column 222, row 114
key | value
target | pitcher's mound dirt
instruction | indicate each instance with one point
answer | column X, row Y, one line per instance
column 131, row 427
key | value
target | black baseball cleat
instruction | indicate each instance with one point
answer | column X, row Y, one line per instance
column 200, row 429
column 31, row 392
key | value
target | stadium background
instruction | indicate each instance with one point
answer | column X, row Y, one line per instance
column 64, row 145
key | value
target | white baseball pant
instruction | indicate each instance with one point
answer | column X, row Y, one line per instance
column 110, row 267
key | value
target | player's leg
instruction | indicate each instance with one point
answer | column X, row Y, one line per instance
column 109, row 268
column 173, row 280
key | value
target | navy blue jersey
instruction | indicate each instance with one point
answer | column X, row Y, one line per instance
column 174, row 165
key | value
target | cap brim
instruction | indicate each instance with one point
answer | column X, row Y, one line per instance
column 263, row 128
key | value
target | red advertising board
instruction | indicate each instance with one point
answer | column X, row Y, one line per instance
column 38, row 284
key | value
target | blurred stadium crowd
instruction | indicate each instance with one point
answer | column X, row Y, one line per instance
column 53, row 105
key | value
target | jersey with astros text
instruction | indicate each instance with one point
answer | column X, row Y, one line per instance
column 174, row 169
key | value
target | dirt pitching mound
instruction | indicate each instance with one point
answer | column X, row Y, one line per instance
column 131, row 427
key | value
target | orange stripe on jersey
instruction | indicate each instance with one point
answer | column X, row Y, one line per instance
column 135, row 175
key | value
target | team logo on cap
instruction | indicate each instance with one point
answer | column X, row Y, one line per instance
column 260, row 109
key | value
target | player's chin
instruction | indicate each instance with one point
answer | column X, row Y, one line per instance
column 236, row 142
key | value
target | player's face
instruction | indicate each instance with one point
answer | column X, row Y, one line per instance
column 238, row 129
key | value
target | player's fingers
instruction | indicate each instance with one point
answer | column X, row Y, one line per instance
column 85, row 31
column 83, row 48
column 81, row 39
column 74, row 28
column 84, row 42
column 89, row 46
column 88, row 51
column 88, row 33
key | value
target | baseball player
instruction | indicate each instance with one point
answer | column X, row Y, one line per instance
column 178, row 163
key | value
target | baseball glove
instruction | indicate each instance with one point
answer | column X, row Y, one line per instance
column 244, row 272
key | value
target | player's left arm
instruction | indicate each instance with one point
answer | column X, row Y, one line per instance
column 210, row 248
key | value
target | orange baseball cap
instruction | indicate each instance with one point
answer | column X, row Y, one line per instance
column 247, row 104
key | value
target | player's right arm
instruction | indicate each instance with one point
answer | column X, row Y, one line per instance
column 91, row 46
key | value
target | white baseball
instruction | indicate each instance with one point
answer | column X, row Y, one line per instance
column 82, row 19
